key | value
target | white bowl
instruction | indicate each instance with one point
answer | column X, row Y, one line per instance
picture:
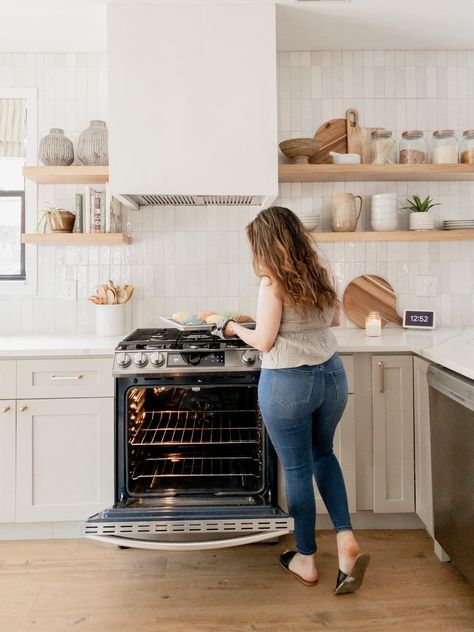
column 384, row 196
column 344, row 159
column 384, row 204
column 310, row 222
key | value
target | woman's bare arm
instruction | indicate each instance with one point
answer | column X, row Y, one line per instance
column 269, row 309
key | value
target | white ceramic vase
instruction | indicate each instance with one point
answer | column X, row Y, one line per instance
column 55, row 149
column 93, row 144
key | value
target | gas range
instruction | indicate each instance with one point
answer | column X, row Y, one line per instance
column 167, row 350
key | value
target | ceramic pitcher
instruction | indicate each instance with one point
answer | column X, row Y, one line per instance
column 343, row 212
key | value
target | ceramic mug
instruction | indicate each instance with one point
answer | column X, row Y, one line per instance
column 343, row 212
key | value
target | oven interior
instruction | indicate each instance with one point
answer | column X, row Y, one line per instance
column 190, row 440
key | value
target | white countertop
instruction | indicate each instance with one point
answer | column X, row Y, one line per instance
column 452, row 347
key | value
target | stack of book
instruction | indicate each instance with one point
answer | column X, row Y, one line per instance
column 95, row 212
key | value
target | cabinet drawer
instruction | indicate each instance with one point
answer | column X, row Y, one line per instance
column 79, row 377
column 7, row 379
column 348, row 362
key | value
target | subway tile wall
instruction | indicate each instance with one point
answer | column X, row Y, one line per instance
column 188, row 258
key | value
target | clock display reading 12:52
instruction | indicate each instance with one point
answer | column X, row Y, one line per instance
column 419, row 319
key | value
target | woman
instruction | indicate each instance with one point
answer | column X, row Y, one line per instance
column 303, row 387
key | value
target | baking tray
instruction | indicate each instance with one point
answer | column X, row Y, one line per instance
column 205, row 327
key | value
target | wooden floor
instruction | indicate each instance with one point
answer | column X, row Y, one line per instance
column 61, row 585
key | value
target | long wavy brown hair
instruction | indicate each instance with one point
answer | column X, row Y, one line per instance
column 282, row 251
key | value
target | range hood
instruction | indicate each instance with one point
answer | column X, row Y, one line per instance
column 193, row 103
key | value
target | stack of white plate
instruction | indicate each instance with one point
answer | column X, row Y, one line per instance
column 458, row 224
column 310, row 222
column 383, row 212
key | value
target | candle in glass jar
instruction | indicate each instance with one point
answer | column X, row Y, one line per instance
column 373, row 324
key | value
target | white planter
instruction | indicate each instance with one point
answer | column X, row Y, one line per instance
column 110, row 320
column 421, row 221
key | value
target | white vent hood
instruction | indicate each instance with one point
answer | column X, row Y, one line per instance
column 193, row 103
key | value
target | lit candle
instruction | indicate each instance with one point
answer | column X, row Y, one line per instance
column 373, row 324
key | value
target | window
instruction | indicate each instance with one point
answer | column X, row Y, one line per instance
column 12, row 219
column 18, row 147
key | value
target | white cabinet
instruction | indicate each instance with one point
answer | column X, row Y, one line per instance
column 7, row 379
column 393, row 450
column 423, row 482
column 64, row 458
column 7, row 459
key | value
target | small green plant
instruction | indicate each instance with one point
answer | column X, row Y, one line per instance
column 417, row 205
column 44, row 217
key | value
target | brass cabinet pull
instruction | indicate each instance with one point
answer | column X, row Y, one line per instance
column 382, row 377
column 67, row 377
column 23, row 408
column 6, row 409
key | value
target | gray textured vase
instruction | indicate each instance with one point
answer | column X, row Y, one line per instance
column 55, row 149
column 93, row 144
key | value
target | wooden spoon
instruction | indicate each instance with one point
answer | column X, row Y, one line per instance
column 111, row 297
column 128, row 289
column 101, row 293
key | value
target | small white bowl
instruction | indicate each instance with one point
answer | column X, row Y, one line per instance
column 384, row 196
column 310, row 222
column 344, row 159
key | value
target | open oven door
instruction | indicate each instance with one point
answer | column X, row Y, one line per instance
column 190, row 528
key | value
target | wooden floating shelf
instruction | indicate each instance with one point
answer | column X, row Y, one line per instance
column 367, row 173
column 75, row 239
column 67, row 175
column 395, row 235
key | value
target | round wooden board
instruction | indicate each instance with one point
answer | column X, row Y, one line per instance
column 370, row 293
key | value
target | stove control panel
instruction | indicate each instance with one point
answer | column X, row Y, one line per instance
column 187, row 360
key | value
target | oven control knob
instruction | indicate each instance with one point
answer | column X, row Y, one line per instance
column 123, row 360
column 249, row 357
column 140, row 359
column 157, row 358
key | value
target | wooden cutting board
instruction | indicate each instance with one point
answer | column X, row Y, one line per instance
column 354, row 138
column 333, row 137
column 370, row 293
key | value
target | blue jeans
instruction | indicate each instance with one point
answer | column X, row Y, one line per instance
column 301, row 408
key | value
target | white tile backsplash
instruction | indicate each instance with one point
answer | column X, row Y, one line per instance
column 188, row 258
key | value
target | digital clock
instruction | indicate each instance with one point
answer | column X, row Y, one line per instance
column 419, row 319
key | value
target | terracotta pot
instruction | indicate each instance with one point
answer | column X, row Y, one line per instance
column 67, row 222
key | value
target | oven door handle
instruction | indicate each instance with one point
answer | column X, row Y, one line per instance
column 154, row 545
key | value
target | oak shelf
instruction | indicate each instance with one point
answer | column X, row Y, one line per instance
column 367, row 173
column 394, row 235
column 76, row 239
column 67, row 175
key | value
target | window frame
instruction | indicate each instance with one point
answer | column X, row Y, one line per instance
column 28, row 285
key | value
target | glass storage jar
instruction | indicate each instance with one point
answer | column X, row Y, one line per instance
column 383, row 149
column 444, row 147
column 466, row 149
column 413, row 148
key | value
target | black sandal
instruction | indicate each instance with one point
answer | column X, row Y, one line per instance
column 346, row 584
column 285, row 559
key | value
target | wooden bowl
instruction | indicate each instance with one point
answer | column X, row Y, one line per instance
column 300, row 149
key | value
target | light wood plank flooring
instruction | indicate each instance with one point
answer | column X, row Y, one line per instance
column 61, row 585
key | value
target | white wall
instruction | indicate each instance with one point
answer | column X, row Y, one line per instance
column 185, row 258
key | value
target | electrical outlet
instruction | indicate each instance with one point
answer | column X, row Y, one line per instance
column 69, row 290
column 426, row 285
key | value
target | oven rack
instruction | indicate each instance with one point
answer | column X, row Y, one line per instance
column 196, row 427
column 212, row 466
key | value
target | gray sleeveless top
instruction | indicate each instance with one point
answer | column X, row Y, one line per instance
column 301, row 341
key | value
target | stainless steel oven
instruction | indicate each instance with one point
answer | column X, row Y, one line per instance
column 194, row 467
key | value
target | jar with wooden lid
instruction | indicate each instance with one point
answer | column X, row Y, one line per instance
column 444, row 147
column 413, row 147
column 466, row 149
column 383, row 149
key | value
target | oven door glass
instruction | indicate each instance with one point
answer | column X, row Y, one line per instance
column 194, row 440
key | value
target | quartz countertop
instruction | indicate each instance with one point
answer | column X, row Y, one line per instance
column 452, row 347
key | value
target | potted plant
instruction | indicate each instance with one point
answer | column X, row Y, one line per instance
column 59, row 221
column 420, row 217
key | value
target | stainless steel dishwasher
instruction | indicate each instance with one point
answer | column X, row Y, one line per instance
column 452, row 457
